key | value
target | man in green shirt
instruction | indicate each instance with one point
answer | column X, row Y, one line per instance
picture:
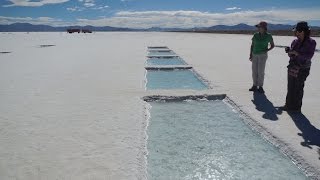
column 259, row 55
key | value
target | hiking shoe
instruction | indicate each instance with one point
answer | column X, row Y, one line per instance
column 261, row 90
column 253, row 88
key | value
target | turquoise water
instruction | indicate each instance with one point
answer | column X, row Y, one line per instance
column 207, row 140
column 165, row 61
column 157, row 47
column 173, row 79
column 159, row 53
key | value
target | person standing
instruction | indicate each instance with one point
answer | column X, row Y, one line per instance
column 301, row 52
column 259, row 55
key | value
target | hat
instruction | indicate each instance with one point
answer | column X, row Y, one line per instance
column 301, row 26
column 262, row 24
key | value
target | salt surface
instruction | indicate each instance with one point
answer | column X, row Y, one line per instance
column 74, row 111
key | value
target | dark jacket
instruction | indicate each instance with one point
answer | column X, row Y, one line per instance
column 306, row 51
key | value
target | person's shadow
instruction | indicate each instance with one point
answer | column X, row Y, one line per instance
column 309, row 133
column 264, row 105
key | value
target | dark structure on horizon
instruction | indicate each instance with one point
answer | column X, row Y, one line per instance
column 86, row 31
column 73, row 31
column 70, row 31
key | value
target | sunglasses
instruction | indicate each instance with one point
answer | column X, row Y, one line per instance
column 301, row 29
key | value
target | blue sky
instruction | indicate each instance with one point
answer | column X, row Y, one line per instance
column 151, row 13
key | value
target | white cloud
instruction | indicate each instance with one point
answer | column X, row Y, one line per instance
column 185, row 19
column 89, row 4
column 92, row 7
column 100, row 7
column 87, row 1
column 233, row 8
column 33, row 3
column 76, row 8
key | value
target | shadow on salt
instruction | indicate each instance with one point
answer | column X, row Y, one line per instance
column 46, row 45
column 5, row 52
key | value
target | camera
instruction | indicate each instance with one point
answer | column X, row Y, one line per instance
column 287, row 49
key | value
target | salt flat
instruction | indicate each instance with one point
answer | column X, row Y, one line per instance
column 74, row 110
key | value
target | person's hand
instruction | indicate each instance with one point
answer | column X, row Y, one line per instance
column 294, row 53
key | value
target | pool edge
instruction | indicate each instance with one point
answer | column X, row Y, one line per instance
column 310, row 171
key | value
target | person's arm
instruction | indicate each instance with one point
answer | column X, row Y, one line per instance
column 293, row 44
column 271, row 45
column 251, row 48
column 303, row 57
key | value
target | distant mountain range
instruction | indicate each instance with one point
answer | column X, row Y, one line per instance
column 26, row 27
column 245, row 27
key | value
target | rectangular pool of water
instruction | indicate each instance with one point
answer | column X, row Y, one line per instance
column 173, row 79
column 157, row 47
column 208, row 140
column 159, row 50
column 165, row 61
column 161, row 53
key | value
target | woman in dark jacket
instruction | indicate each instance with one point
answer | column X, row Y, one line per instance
column 301, row 52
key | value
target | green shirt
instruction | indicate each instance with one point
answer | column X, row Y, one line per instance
column 261, row 42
